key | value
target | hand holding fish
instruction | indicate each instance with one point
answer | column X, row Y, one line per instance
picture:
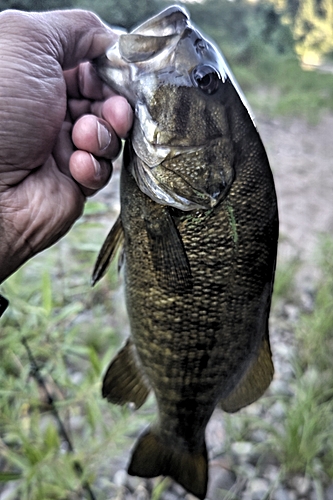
column 48, row 164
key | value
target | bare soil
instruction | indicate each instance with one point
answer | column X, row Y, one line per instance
column 301, row 157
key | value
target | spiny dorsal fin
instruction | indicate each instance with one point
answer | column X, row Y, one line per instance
column 152, row 457
column 255, row 381
column 123, row 382
column 111, row 245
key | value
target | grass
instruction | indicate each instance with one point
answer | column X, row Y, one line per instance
column 72, row 332
column 301, row 441
column 278, row 86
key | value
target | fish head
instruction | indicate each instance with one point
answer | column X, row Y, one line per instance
column 174, row 78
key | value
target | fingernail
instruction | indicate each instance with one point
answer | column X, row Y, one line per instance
column 97, row 166
column 103, row 136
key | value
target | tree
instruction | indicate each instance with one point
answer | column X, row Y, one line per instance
column 126, row 13
column 311, row 22
column 313, row 30
column 35, row 5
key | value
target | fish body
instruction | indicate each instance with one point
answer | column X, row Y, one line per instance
column 199, row 229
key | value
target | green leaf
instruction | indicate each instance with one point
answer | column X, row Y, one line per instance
column 9, row 476
column 47, row 292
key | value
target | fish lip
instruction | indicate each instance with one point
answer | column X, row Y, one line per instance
column 181, row 20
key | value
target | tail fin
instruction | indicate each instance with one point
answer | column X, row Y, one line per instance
column 151, row 457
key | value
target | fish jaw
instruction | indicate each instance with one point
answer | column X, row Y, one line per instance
column 163, row 52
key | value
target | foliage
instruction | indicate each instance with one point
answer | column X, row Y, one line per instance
column 313, row 30
column 243, row 29
column 35, row 5
column 311, row 22
column 301, row 440
column 122, row 13
column 72, row 332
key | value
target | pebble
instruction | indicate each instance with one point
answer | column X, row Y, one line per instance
column 278, row 410
column 243, row 449
column 120, row 478
column 329, row 492
column 284, row 494
column 301, row 484
column 271, row 473
column 141, row 493
column 219, row 479
column 258, row 488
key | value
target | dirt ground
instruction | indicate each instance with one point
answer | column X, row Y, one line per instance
column 301, row 157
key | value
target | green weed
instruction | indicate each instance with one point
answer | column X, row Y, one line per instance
column 303, row 443
column 285, row 279
column 72, row 332
column 279, row 86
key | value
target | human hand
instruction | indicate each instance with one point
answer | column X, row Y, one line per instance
column 45, row 87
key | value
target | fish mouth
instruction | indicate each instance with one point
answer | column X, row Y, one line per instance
column 171, row 21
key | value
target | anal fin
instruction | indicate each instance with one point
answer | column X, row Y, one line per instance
column 123, row 382
column 152, row 457
column 255, row 381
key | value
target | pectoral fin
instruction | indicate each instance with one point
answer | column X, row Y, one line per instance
column 168, row 253
column 255, row 381
column 123, row 382
column 111, row 245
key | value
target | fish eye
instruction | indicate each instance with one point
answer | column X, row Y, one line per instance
column 206, row 78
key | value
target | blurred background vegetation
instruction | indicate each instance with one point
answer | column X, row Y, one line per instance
column 281, row 52
column 304, row 27
column 267, row 42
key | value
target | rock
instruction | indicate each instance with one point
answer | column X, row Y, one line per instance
column 271, row 473
column 242, row 448
column 329, row 492
column 220, row 479
column 284, row 494
column 258, row 488
column 133, row 482
column 278, row 410
column 120, row 478
column 141, row 493
column 259, row 435
column 279, row 387
column 301, row 484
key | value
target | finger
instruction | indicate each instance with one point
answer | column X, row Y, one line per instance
column 96, row 136
column 64, row 147
column 116, row 111
column 83, row 81
column 89, row 172
column 78, row 108
column 77, row 36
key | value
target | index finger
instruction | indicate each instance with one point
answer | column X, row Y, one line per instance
column 77, row 36
column 83, row 82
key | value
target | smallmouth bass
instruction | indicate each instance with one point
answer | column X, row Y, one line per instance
column 199, row 230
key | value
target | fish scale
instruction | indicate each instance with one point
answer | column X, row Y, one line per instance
column 199, row 230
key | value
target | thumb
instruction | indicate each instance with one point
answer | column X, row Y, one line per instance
column 77, row 35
